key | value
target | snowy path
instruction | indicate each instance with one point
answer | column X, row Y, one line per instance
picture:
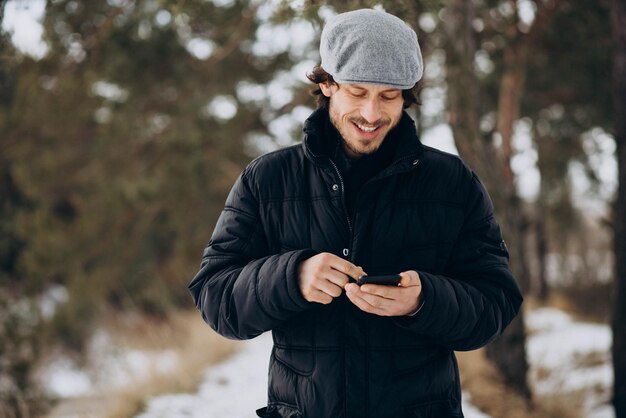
column 233, row 389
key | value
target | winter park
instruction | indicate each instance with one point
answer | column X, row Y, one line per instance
column 279, row 208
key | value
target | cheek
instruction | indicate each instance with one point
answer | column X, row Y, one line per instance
column 344, row 105
column 347, row 108
column 394, row 110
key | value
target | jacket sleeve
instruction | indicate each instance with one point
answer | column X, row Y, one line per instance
column 476, row 297
column 241, row 289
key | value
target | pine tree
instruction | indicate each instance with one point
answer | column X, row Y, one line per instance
column 118, row 149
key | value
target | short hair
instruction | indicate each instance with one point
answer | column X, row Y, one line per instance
column 319, row 75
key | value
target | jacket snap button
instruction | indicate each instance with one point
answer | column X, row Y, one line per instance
column 335, row 187
column 346, row 252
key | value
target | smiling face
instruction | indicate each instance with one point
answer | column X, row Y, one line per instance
column 363, row 114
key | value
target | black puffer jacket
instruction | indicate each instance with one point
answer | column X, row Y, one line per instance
column 426, row 212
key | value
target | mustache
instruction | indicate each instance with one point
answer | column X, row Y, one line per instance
column 377, row 124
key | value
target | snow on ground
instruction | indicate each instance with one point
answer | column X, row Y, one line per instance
column 109, row 367
column 570, row 357
column 232, row 389
column 235, row 389
column 566, row 357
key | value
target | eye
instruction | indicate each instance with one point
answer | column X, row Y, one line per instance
column 358, row 94
column 389, row 97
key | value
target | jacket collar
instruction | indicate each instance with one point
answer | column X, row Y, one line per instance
column 319, row 147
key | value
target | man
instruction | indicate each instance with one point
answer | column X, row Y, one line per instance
column 360, row 196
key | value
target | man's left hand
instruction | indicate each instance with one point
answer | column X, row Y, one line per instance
column 382, row 300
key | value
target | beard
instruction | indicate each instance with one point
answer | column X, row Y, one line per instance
column 358, row 140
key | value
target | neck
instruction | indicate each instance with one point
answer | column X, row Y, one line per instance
column 350, row 153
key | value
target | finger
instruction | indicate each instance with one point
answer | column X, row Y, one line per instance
column 410, row 278
column 349, row 269
column 329, row 288
column 337, row 277
column 358, row 272
column 388, row 292
column 346, row 267
column 376, row 302
column 354, row 296
column 320, row 297
column 351, row 288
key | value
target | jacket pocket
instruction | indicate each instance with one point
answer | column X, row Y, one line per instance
column 279, row 410
column 435, row 409
column 299, row 361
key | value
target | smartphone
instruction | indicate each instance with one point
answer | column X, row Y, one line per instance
column 388, row 280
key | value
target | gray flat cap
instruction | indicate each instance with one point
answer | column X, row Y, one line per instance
column 368, row 46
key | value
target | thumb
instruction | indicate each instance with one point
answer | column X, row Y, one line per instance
column 410, row 278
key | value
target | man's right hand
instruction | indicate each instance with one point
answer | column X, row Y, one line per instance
column 323, row 277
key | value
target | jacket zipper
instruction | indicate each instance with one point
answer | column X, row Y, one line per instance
column 343, row 199
column 347, row 215
column 367, row 343
column 343, row 194
column 345, row 210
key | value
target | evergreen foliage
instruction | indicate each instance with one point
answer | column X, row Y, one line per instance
column 118, row 148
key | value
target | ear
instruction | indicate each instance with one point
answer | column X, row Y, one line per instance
column 326, row 89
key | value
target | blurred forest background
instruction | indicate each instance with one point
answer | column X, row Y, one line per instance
column 123, row 124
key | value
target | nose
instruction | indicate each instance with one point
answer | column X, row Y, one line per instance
column 371, row 110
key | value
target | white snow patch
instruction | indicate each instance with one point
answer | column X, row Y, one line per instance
column 51, row 299
column 235, row 388
column 62, row 378
column 109, row 368
column 570, row 356
column 469, row 410
column 23, row 21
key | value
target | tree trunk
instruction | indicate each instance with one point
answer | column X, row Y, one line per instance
column 540, row 288
column 619, row 295
column 508, row 352
column 2, row 6
column 463, row 95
